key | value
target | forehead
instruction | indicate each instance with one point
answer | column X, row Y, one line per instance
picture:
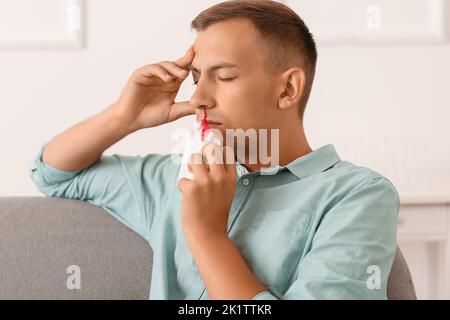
column 233, row 41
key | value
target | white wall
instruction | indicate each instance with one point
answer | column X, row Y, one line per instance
column 381, row 96
column 44, row 91
column 383, row 102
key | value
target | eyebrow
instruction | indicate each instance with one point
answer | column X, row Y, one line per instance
column 215, row 67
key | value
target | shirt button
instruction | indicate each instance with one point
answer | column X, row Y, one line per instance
column 245, row 182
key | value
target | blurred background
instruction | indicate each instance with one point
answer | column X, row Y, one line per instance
column 381, row 94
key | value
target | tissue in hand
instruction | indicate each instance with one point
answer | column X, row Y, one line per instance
column 201, row 136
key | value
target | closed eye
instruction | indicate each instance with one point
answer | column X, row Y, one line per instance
column 221, row 79
column 225, row 79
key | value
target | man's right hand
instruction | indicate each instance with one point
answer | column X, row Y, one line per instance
column 148, row 99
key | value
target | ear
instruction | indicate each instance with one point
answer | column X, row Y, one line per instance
column 293, row 86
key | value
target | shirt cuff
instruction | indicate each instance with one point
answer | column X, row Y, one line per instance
column 264, row 295
column 44, row 174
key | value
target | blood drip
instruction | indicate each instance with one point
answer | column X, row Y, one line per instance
column 205, row 126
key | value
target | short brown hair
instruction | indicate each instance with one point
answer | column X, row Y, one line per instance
column 287, row 36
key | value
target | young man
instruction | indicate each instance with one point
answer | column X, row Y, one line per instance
column 316, row 227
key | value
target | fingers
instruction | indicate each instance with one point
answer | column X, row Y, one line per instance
column 179, row 68
column 166, row 71
column 181, row 109
column 174, row 69
column 182, row 184
column 197, row 166
column 214, row 158
column 155, row 70
column 185, row 61
column 216, row 163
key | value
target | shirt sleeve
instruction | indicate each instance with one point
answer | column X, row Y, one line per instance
column 128, row 187
column 353, row 249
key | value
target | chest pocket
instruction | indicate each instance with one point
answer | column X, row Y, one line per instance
column 272, row 242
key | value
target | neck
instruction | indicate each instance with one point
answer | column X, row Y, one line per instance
column 292, row 145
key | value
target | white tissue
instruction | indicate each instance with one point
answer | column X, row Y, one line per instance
column 193, row 145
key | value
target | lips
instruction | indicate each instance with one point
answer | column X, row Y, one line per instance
column 212, row 122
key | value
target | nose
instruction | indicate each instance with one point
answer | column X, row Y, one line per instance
column 201, row 100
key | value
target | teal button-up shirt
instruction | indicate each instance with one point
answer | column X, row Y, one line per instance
column 317, row 228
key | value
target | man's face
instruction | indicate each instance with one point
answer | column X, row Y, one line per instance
column 241, row 95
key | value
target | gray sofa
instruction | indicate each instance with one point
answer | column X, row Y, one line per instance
column 40, row 237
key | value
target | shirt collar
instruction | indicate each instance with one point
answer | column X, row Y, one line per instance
column 314, row 162
column 240, row 170
column 306, row 165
